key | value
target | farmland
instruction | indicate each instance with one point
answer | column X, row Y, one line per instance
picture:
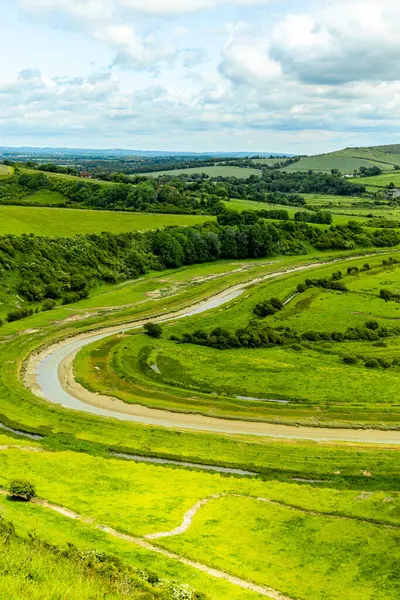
column 380, row 181
column 66, row 222
column 220, row 171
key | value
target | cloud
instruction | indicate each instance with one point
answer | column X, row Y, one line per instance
column 103, row 8
column 342, row 41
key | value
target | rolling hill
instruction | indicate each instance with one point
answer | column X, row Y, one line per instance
column 350, row 159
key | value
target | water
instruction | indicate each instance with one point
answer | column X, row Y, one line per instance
column 31, row 436
column 182, row 463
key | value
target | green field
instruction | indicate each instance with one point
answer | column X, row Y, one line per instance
column 215, row 382
column 350, row 159
column 66, row 222
column 314, row 524
column 5, row 170
column 338, row 217
column 239, row 172
column 380, row 181
column 303, row 541
column 269, row 162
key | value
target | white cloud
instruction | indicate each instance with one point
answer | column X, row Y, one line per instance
column 341, row 41
column 331, row 66
column 153, row 7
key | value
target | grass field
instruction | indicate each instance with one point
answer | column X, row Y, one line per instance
column 239, row 172
column 350, row 159
column 338, row 218
column 66, row 222
column 380, row 181
column 269, row 162
column 5, row 170
column 294, row 545
column 187, row 376
column 280, row 545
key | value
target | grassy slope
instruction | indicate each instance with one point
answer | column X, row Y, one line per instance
column 65, row 221
column 238, row 172
column 141, row 499
column 349, row 159
column 380, row 180
column 146, row 498
column 5, row 170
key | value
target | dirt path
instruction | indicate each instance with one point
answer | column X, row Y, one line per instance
column 189, row 516
column 142, row 543
column 66, row 391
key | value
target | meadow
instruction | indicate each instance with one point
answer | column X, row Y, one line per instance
column 350, row 159
column 330, row 500
column 62, row 222
column 380, row 181
column 263, row 531
column 220, row 171
column 242, row 382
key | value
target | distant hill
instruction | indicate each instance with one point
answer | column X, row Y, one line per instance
column 27, row 151
column 350, row 159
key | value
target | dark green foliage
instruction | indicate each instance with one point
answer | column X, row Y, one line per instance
column 268, row 307
column 372, row 363
column 326, row 284
column 301, row 288
column 321, row 216
column 374, row 325
column 20, row 489
column 153, row 330
column 388, row 295
column 350, row 359
column 49, row 304
column 19, row 313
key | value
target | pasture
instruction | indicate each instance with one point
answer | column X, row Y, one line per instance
column 380, row 181
column 219, row 171
column 5, row 170
column 244, row 382
column 319, row 530
column 350, row 159
column 277, row 534
column 66, row 222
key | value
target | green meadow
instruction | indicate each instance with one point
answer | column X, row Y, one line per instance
column 62, row 222
column 325, row 535
column 242, row 382
column 278, row 534
column 218, row 171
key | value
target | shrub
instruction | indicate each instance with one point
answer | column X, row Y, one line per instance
column 374, row 325
column 350, row 359
column 49, row 304
column 386, row 364
column 21, row 489
column 19, row 313
column 372, row 363
column 301, row 288
column 153, row 330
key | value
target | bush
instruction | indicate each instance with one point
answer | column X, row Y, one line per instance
column 19, row 313
column 301, row 288
column 372, row 363
column 49, row 304
column 350, row 359
column 374, row 325
column 21, row 489
column 153, row 330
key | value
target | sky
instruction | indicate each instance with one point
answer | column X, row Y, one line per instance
column 301, row 77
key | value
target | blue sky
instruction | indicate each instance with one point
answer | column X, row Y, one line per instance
column 200, row 75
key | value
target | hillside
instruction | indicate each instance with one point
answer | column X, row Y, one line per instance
column 350, row 159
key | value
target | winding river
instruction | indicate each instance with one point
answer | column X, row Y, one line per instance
column 50, row 375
